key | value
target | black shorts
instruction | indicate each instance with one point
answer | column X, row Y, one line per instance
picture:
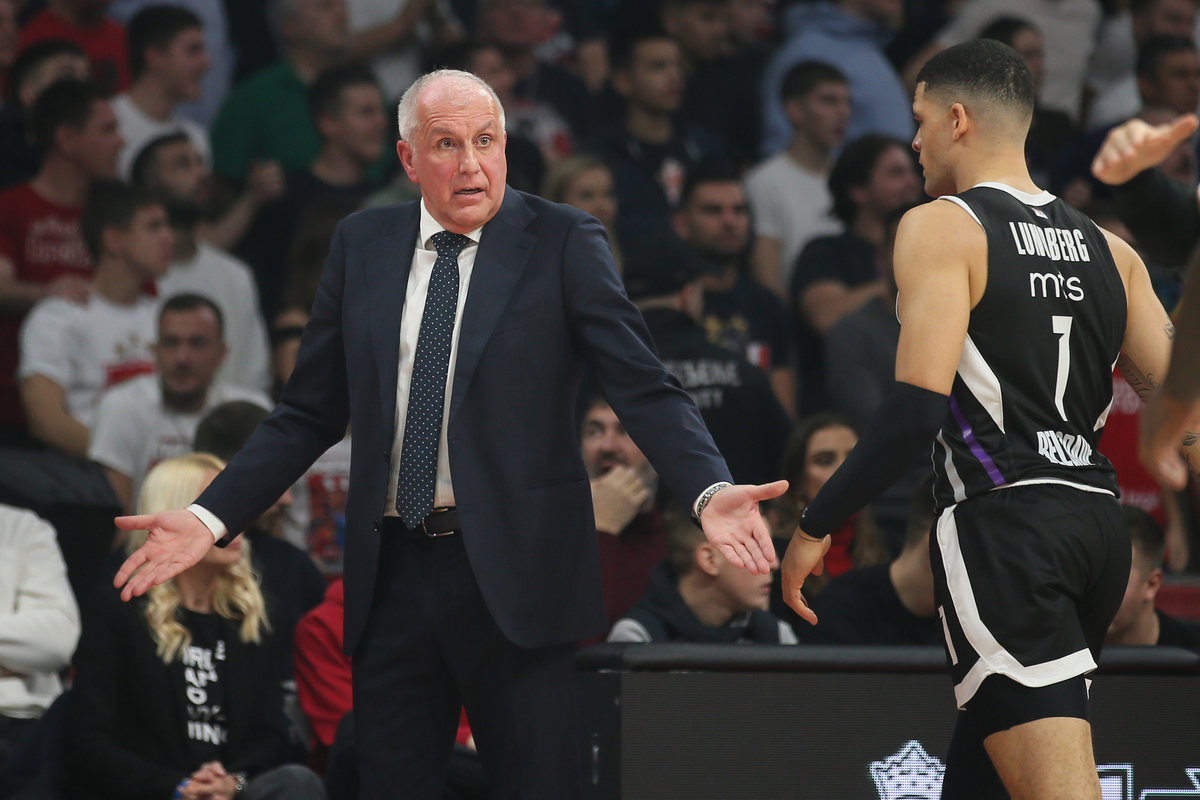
column 1027, row 580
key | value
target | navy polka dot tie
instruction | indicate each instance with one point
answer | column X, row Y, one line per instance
column 427, row 391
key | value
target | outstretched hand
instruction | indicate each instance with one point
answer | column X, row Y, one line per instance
column 1165, row 423
column 177, row 541
column 732, row 523
column 1136, row 146
column 804, row 557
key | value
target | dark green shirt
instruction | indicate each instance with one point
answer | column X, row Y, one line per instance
column 267, row 117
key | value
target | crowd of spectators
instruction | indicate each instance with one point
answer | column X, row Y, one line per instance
column 171, row 175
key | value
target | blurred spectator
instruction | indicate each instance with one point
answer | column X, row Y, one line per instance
column 309, row 251
column 1168, row 74
column 267, row 117
column 650, row 155
column 739, row 314
column 629, row 526
column 527, row 122
column 174, row 170
column 167, row 61
column 848, row 35
column 860, row 369
column 154, row 417
column 1051, row 132
column 84, row 23
column 721, row 92
column 346, row 108
column 392, row 34
column 517, row 27
column 32, row 73
column 1112, row 74
column 664, row 279
column 834, row 275
column 72, row 351
column 695, row 595
column 817, row 447
column 586, row 182
column 201, row 644
column 789, row 192
column 1073, row 24
column 215, row 23
column 39, row 625
column 252, row 35
column 285, row 571
column 1138, row 622
column 10, row 35
column 316, row 520
column 42, row 253
column 885, row 603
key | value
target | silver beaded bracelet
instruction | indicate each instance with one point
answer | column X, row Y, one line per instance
column 704, row 498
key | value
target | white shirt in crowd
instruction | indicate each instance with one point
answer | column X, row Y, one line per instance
column 791, row 205
column 88, row 347
column 228, row 282
column 138, row 130
column 318, row 510
column 134, row 429
column 39, row 620
column 398, row 67
column 627, row 629
column 1068, row 28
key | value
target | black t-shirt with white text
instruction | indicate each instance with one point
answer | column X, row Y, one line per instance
column 201, row 677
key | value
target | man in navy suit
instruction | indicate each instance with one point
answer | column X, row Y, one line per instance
column 451, row 334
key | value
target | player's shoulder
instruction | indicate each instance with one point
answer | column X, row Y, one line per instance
column 941, row 224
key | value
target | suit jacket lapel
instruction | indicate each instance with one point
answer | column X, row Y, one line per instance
column 504, row 249
column 387, row 262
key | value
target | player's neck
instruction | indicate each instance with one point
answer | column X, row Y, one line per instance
column 1142, row 631
column 808, row 153
column 1007, row 168
column 117, row 282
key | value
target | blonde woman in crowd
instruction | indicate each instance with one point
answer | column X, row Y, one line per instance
column 586, row 183
column 177, row 693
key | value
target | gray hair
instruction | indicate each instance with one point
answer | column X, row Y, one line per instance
column 406, row 114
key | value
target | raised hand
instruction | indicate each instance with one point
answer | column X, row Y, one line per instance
column 177, row 541
column 1166, row 422
column 617, row 497
column 1135, row 146
column 804, row 557
column 732, row 523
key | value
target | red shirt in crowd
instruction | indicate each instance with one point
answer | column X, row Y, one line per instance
column 43, row 242
column 839, row 559
column 103, row 44
column 626, row 562
column 1119, row 443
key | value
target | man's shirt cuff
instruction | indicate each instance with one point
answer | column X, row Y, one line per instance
column 210, row 521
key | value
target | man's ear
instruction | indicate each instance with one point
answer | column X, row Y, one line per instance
column 961, row 123
column 405, row 151
column 708, row 559
column 1153, row 584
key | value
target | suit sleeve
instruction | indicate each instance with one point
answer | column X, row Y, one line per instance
column 651, row 404
column 311, row 416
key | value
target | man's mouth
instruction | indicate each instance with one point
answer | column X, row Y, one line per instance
column 469, row 191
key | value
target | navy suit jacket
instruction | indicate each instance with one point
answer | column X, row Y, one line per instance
column 545, row 303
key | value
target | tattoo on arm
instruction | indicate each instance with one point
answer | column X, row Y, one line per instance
column 1142, row 383
column 1169, row 330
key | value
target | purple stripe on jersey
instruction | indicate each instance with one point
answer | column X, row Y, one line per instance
column 973, row 443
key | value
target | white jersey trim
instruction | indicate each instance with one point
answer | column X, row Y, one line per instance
column 958, row 201
column 1039, row 199
column 1058, row 481
column 993, row 658
column 960, row 489
column 982, row 382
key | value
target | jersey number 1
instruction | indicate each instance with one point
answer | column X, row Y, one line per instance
column 1062, row 326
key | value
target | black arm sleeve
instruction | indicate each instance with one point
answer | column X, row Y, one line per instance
column 904, row 424
column 1164, row 216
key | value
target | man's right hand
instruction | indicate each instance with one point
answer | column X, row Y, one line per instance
column 617, row 497
column 177, row 541
column 805, row 556
column 1135, row 146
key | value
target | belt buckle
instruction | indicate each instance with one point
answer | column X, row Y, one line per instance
column 425, row 530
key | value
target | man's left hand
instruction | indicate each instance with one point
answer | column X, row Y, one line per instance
column 732, row 523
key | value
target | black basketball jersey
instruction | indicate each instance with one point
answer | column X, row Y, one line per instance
column 1034, row 384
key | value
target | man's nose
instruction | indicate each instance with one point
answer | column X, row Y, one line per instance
column 469, row 163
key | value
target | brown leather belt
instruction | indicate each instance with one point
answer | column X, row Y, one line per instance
column 440, row 522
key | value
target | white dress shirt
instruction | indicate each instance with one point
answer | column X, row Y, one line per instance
column 410, row 328
column 424, row 255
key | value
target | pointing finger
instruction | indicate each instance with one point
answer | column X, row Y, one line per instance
column 142, row 522
column 768, row 491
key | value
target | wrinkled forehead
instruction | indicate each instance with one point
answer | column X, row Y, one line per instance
column 465, row 101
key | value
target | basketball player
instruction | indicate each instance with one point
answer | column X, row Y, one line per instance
column 1013, row 309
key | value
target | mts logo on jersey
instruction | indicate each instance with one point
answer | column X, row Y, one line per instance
column 1056, row 244
column 1064, row 449
column 1043, row 284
